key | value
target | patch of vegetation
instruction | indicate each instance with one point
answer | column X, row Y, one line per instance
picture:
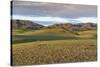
column 48, row 37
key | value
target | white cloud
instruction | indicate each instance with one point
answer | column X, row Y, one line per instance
column 87, row 19
column 45, row 19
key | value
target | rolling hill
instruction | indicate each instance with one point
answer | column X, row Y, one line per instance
column 25, row 24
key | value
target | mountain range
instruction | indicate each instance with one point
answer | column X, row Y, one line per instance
column 25, row 24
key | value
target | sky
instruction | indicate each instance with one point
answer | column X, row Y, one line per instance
column 51, row 13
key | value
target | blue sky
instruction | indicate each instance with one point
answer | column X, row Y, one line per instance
column 52, row 13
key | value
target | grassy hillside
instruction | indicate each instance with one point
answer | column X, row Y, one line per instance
column 20, row 36
column 44, row 31
column 56, row 51
column 88, row 34
column 42, row 35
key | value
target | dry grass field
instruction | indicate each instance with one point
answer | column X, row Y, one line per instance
column 56, row 51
